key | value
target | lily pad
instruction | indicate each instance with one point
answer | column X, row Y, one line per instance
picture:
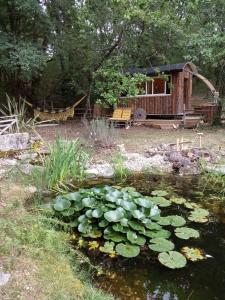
column 118, row 227
column 143, row 202
column 163, row 233
column 61, row 204
column 137, row 214
column 172, row 259
column 68, row 212
column 97, row 213
column 128, row 205
column 84, row 228
column 94, row 233
column 127, row 250
column 161, row 245
column 134, row 238
column 110, row 234
column 103, row 223
column 114, row 215
column 160, row 201
column 199, row 215
column 136, row 226
column 173, row 220
column 178, row 200
column 159, row 193
column 193, row 254
column 186, row 233
column 152, row 225
column 89, row 202
column 124, row 222
column 192, row 205
column 76, row 196
column 108, row 247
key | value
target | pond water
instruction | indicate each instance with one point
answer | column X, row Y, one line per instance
column 144, row 278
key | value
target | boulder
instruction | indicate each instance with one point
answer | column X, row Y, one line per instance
column 14, row 141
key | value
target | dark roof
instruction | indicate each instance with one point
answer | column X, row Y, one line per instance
column 161, row 69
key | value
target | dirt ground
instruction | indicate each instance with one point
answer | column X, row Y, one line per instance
column 140, row 138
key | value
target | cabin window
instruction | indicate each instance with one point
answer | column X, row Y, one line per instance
column 158, row 86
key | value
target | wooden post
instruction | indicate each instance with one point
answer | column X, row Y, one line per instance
column 200, row 139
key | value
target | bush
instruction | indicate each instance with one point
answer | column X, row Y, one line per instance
column 99, row 134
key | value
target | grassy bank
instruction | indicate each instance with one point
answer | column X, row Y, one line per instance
column 40, row 260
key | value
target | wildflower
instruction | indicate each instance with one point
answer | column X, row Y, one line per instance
column 93, row 245
column 80, row 243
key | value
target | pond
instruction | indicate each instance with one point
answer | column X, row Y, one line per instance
column 144, row 278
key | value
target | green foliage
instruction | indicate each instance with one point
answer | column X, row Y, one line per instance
column 124, row 218
column 111, row 82
column 120, row 171
column 66, row 163
column 199, row 215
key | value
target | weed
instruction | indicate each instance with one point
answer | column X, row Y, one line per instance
column 121, row 172
column 99, row 133
column 66, row 161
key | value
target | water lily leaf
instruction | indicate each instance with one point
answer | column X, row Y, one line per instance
column 144, row 202
column 118, row 227
column 97, row 213
column 114, row 215
column 178, row 200
column 88, row 213
column 127, row 250
column 135, row 239
column 160, row 234
column 78, row 206
column 173, row 220
column 124, row 222
column 108, row 247
column 61, row 203
column 128, row 205
column 136, row 226
column 199, row 215
column 193, row 254
column 89, row 202
column 151, row 225
column 137, row 214
column 160, row 201
column 68, row 212
column 113, row 196
column 110, row 205
column 82, row 218
column 159, row 193
column 103, row 223
column 172, row 259
column 186, row 233
column 84, row 227
column 110, row 234
column 161, row 245
column 191, row 205
column 75, row 196
column 135, row 195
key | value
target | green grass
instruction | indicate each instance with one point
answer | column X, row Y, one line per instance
column 40, row 259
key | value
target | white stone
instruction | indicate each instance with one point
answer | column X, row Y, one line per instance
column 100, row 170
column 14, row 141
column 4, row 278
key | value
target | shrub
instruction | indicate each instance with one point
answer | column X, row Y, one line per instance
column 99, row 134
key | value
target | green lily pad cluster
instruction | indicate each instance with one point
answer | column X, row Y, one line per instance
column 126, row 221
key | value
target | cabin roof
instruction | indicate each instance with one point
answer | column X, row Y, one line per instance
column 163, row 69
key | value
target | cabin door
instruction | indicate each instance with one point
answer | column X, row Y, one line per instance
column 186, row 94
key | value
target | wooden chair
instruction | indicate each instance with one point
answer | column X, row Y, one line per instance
column 121, row 116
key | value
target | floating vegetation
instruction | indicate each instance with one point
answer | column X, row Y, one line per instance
column 172, row 259
column 191, row 205
column 193, row 254
column 125, row 222
column 186, row 233
column 199, row 215
column 178, row 200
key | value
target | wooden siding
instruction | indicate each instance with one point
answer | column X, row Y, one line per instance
column 159, row 105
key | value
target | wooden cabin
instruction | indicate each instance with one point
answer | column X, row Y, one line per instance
column 164, row 96
column 169, row 93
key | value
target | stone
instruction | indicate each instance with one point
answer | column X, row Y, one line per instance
column 4, row 278
column 27, row 156
column 216, row 168
column 8, row 162
column 100, row 170
column 14, row 141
